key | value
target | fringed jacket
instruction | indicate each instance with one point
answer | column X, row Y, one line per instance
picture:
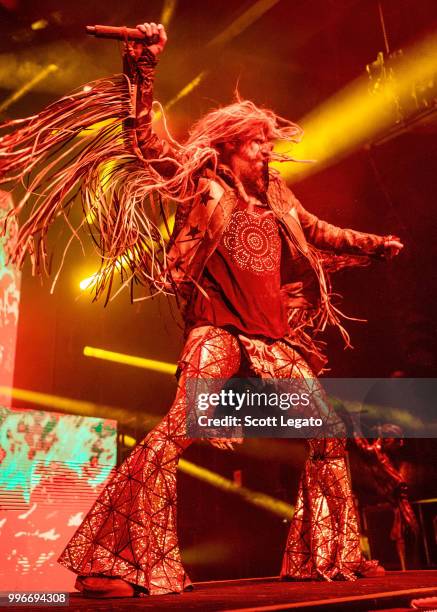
column 313, row 247
column 121, row 210
column 200, row 227
column 197, row 237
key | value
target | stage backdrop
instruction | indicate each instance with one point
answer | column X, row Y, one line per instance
column 52, row 467
column 10, row 279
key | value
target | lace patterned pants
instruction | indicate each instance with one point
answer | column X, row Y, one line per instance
column 130, row 532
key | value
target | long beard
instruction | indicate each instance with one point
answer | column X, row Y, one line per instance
column 256, row 183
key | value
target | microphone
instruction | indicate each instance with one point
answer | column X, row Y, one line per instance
column 122, row 33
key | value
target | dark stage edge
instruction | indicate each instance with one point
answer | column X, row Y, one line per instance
column 394, row 590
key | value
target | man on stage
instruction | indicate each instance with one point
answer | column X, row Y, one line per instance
column 246, row 266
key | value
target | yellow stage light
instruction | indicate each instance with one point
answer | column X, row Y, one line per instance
column 65, row 404
column 252, row 14
column 432, row 500
column 123, row 261
column 167, row 13
column 132, row 360
column 256, row 498
column 106, row 171
column 21, row 91
column 91, row 217
column 98, row 126
column 72, row 406
column 166, row 230
column 356, row 115
column 185, row 91
column 218, row 551
column 88, row 283
column 128, row 441
column 50, row 401
column 240, row 24
column 40, row 24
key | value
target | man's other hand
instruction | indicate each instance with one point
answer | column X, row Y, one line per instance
column 392, row 246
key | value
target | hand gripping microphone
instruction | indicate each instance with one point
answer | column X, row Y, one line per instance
column 122, row 33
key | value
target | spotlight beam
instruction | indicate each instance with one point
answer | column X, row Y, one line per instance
column 68, row 405
column 22, row 91
column 354, row 116
column 191, row 86
column 397, row 416
column 167, row 13
column 246, row 19
column 132, row 360
column 255, row 498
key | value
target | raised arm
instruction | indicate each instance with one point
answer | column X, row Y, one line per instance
column 324, row 235
column 139, row 64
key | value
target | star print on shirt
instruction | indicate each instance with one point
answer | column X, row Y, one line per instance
column 205, row 197
column 194, row 230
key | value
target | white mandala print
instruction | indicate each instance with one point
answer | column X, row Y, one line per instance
column 253, row 242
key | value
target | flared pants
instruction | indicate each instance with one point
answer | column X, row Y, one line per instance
column 130, row 532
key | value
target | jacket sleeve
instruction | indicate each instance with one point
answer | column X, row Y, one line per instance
column 138, row 128
column 323, row 235
column 196, row 227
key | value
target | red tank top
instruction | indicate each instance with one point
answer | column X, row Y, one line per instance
column 242, row 278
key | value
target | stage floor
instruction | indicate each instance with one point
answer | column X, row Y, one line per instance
column 394, row 590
